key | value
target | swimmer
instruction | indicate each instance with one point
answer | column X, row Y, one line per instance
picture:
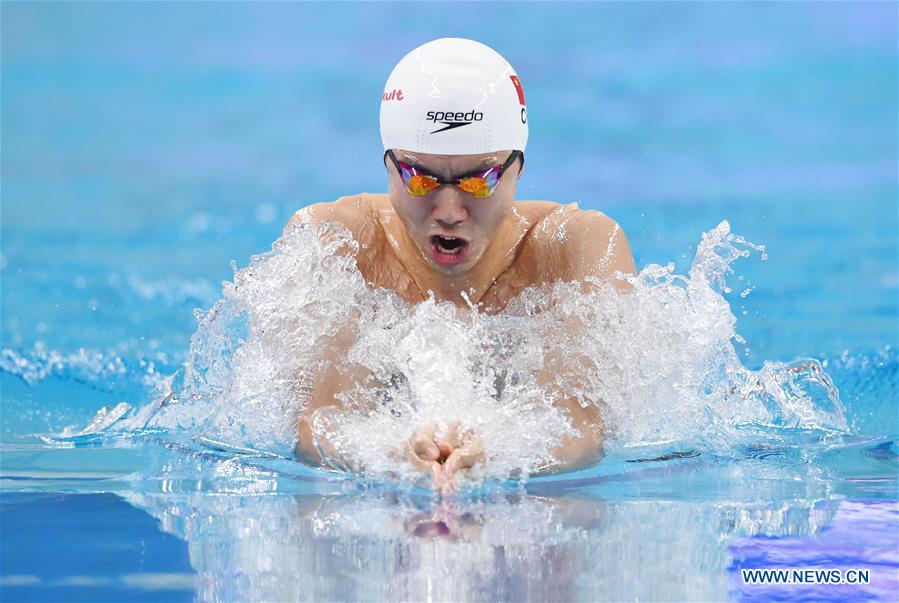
column 454, row 127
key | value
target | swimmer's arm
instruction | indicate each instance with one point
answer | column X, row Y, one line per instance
column 327, row 381
column 334, row 377
column 594, row 246
column 583, row 450
column 574, row 451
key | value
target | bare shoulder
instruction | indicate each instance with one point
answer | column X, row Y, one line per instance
column 588, row 243
column 579, row 224
column 597, row 246
column 532, row 213
column 345, row 211
column 356, row 213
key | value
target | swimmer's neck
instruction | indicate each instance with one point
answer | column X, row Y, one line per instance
column 473, row 284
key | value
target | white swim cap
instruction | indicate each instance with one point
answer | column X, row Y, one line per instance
column 453, row 96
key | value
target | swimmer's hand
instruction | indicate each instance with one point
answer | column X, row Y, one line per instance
column 443, row 455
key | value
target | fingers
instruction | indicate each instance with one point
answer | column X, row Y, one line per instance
column 427, row 450
column 432, row 468
column 424, row 454
column 433, row 447
column 442, row 456
column 424, row 445
column 461, row 461
column 466, row 456
column 454, row 434
column 445, row 450
column 421, row 452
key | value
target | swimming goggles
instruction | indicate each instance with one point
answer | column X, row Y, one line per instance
column 480, row 183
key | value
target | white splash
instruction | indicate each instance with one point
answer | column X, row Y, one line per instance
column 658, row 361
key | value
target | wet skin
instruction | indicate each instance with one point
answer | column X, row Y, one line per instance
column 507, row 246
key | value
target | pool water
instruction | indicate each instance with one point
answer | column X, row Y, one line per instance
column 147, row 146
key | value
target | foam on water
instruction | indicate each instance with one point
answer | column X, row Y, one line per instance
column 40, row 363
column 658, row 361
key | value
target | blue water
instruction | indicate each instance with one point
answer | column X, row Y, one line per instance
column 145, row 146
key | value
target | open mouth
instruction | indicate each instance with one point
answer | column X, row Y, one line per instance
column 450, row 245
column 448, row 250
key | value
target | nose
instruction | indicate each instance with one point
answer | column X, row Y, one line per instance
column 449, row 207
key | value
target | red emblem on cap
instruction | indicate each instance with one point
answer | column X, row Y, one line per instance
column 518, row 88
column 393, row 95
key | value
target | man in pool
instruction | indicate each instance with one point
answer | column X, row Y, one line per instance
column 454, row 129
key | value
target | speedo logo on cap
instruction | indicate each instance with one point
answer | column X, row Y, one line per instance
column 453, row 119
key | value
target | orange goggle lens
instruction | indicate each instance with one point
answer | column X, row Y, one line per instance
column 420, row 185
column 476, row 186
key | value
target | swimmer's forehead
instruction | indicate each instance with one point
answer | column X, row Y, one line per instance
column 452, row 163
